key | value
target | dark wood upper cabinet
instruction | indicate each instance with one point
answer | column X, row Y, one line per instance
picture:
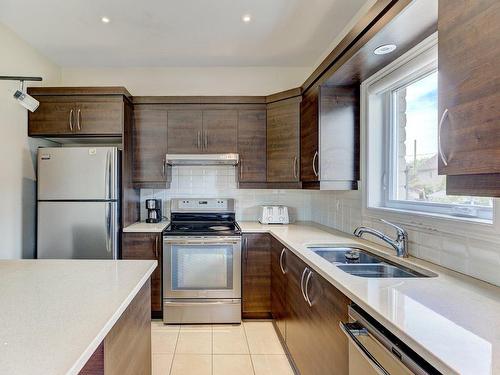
column 279, row 285
column 184, row 131
column 283, row 133
column 469, row 95
column 147, row 246
column 329, row 138
column 256, row 276
column 309, row 137
column 77, row 116
column 99, row 117
column 149, row 138
column 220, row 131
column 52, row 118
column 195, row 131
column 252, row 145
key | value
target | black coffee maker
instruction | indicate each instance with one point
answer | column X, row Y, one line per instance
column 154, row 210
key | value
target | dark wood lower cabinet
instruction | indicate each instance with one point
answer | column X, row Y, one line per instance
column 147, row 246
column 278, row 286
column 311, row 333
column 256, row 270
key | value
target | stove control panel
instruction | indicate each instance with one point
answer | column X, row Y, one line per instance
column 202, row 205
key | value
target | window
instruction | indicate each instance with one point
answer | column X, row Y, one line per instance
column 405, row 101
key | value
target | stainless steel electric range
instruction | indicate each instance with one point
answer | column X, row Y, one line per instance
column 202, row 262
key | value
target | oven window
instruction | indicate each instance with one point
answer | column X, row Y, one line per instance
column 202, row 267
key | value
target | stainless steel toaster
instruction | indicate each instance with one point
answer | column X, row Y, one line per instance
column 275, row 214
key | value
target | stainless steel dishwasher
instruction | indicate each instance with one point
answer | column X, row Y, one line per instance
column 373, row 350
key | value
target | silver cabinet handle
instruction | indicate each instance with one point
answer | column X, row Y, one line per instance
column 71, row 120
column 199, row 139
column 314, row 163
column 352, row 337
column 241, row 169
column 440, row 148
column 302, row 283
column 295, row 166
column 156, row 248
column 306, row 288
column 281, row 261
column 163, row 162
column 206, row 140
column 78, row 119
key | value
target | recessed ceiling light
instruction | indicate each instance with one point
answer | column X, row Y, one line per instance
column 105, row 20
column 246, row 18
column 384, row 49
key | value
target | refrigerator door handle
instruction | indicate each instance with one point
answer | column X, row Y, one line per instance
column 109, row 241
column 107, row 176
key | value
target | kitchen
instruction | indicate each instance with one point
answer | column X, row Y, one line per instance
column 269, row 192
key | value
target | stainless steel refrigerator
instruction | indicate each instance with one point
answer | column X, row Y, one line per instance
column 78, row 203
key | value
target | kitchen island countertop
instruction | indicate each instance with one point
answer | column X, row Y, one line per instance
column 55, row 313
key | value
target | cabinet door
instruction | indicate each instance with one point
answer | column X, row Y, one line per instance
column 283, row 119
column 278, row 285
column 256, row 276
column 252, row 145
column 220, row 131
column 327, row 353
column 147, row 246
column 99, row 118
column 184, row 132
column 52, row 118
column 469, row 86
column 149, row 145
column 309, row 158
column 299, row 338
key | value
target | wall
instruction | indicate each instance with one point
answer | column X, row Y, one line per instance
column 220, row 182
column 17, row 151
column 474, row 255
column 191, row 81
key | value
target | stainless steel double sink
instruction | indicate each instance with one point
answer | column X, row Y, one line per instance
column 360, row 262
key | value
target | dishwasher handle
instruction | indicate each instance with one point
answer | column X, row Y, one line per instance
column 348, row 329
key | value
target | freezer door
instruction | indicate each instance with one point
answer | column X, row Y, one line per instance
column 78, row 173
column 77, row 230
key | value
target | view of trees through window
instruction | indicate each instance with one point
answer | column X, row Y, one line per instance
column 415, row 112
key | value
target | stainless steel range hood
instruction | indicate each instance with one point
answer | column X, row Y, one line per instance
column 202, row 159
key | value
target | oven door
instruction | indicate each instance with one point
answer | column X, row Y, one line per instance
column 202, row 267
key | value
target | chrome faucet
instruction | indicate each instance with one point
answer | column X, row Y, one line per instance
column 400, row 244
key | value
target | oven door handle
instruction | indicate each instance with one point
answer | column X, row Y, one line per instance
column 201, row 242
column 202, row 302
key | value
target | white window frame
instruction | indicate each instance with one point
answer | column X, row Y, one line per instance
column 374, row 138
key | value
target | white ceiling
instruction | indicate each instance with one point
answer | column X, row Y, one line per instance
column 180, row 32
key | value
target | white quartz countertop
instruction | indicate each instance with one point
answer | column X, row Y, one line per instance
column 55, row 313
column 452, row 320
column 143, row 227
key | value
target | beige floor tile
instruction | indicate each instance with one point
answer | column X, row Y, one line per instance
column 262, row 338
column 229, row 339
column 191, row 364
column 163, row 341
column 157, row 325
column 162, row 363
column 232, row 365
column 267, row 364
column 196, row 327
column 197, row 341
